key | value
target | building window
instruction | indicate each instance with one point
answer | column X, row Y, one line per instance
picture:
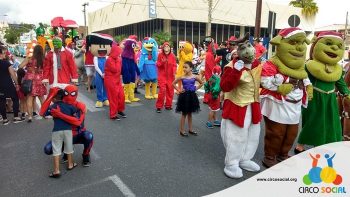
column 202, row 32
column 181, row 31
column 196, row 36
column 219, row 33
column 189, row 32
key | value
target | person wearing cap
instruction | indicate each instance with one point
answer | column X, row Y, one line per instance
column 225, row 52
column 260, row 50
column 321, row 124
column 166, row 64
column 59, row 65
column 284, row 82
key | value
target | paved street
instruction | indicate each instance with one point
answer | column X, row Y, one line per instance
column 142, row 155
column 144, row 151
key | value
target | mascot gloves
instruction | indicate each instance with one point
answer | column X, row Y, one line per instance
column 285, row 89
column 239, row 65
column 310, row 92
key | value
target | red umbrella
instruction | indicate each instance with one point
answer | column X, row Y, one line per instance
column 57, row 21
column 69, row 24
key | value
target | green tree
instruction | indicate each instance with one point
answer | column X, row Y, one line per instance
column 120, row 38
column 162, row 37
column 14, row 31
column 309, row 7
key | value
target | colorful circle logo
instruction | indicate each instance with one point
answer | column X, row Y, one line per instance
column 327, row 174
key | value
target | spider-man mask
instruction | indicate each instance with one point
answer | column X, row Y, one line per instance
column 70, row 94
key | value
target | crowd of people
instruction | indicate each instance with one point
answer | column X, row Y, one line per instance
column 236, row 76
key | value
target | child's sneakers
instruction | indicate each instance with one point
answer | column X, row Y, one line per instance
column 18, row 119
column 86, row 160
column 5, row 121
column 209, row 125
column 217, row 123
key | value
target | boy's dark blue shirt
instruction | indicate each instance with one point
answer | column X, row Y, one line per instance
column 59, row 124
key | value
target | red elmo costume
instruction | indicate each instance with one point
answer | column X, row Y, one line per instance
column 166, row 64
column 112, row 82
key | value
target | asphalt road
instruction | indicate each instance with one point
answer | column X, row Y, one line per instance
column 142, row 155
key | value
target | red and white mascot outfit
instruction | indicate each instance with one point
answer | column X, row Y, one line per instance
column 240, row 126
column 59, row 66
column 112, row 82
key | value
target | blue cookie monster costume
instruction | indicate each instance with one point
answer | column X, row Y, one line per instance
column 147, row 66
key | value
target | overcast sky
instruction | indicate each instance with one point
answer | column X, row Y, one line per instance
column 29, row 11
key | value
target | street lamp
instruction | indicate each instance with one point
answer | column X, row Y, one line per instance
column 84, row 11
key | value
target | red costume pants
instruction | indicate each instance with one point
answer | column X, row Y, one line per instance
column 115, row 94
column 166, row 91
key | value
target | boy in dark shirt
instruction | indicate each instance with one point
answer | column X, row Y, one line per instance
column 62, row 132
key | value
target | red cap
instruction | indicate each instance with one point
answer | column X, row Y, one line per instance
column 288, row 32
column 217, row 70
column 330, row 34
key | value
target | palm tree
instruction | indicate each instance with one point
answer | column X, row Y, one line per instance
column 309, row 7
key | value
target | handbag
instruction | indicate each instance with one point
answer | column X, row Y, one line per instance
column 27, row 86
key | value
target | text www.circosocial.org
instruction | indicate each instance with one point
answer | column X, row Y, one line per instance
column 277, row 179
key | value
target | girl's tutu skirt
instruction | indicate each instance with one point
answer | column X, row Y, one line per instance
column 187, row 102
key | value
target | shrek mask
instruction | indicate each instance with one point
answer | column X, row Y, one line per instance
column 57, row 43
column 291, row 52
column 328, row 50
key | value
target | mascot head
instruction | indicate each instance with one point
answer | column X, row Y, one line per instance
column 187, row 48
column 70, row 94
column 116, row 51
column 245, row 50
column 99, row 44
column 327, row 47
column 149, row 45
column 40, row 31
column 291, row 47
column 129, row 47
column 79, row 44
column 217, row 70
column 57, row 43
column 166, row 48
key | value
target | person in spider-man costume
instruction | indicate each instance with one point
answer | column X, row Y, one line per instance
column 80, row 134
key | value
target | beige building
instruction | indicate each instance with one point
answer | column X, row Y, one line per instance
column 187, row 19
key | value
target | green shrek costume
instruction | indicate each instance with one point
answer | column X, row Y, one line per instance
column 320, row 121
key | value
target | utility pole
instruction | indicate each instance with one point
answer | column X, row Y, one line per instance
column 346, row 26
column 258, row 19
column 210, row 5
column 84, row 11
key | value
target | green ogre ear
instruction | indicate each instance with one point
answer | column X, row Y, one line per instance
column 276, row 40
column 307, row 41
column 314, row 39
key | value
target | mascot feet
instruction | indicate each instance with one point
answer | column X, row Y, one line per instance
column 106, row 103
column 148, row 97
column 86, row 160
column 98, row 104
column 127, row 101
column 269, row 161
column 249, row 165
column 134, row 99
column 155, row 96
column 233, row 171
